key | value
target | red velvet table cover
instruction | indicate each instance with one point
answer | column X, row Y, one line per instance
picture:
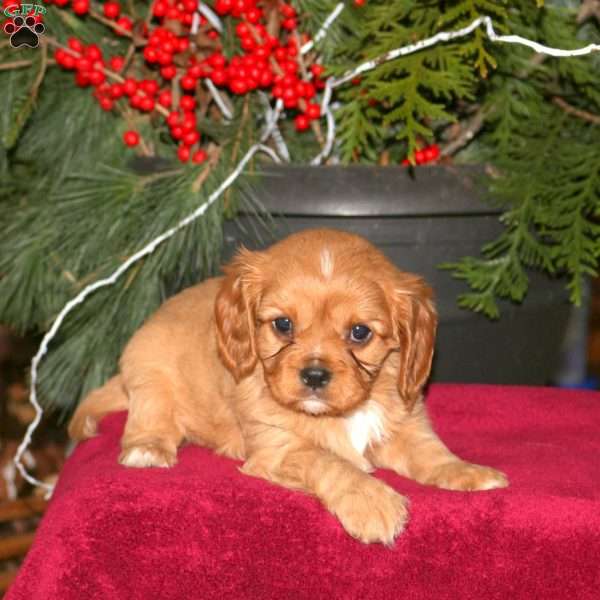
column 203, row 530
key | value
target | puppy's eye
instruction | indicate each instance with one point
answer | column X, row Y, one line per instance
column 360, row 333
column 283, row 325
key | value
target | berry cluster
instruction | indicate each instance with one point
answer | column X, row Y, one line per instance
column 425, row 155
column 179, row 49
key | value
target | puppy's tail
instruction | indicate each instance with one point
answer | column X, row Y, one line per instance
column 98, row 403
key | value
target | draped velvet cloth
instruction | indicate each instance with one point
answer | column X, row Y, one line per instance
column 202, row 530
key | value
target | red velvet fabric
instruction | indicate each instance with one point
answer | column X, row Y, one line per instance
column 204, row 531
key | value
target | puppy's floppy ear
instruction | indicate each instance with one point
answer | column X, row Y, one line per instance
column 235, row 308
column 415, row 320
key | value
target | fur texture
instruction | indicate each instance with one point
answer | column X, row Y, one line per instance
column 213, row 367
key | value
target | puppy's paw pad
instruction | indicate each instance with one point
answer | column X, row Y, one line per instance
column 374, row 513
column 147, row 455
column 468, row 477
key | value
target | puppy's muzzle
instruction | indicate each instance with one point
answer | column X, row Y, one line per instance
column 315, row 377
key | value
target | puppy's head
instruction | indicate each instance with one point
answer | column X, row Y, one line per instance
column 322, row 311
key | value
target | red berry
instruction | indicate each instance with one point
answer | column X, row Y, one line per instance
column 168, row 46
column 130, row 86
column 189, row 121
column 168, row 72
column 177, row 132
column 97, row 77
column 131, row 138
column 289, row 24
column 219, row 77
column 173, row 118
column 431, row 153
column 222, row 7
column 183, row 153
column 313, row 111
column 196, row 71
column 75, row 44
column 242, row 29
column 116, row 63
column 160, row 8
column 419, row 157
column 188, row 83
column 239, row 7
column 150, row 54
column 217, row 60
column 360, row 2
column 173, row 14
column 147, row 104
column 212, row 34
column 106, row 103
column 111, row 10
column 81, row 7
column 265, row 79
column 317, row 70
column 150, row 86
column 289, row 12
column 124, row 23
column 238, row 86
column 191, row 138
column 93, row 52
column 135, row 101
column 247, row 43
column 164, row 58
column 302, row 122
column 253, row 15
column 309, row 90
column 165, row 98
column 116, row 90
column 199, row 156
column 187, row 103
column 190, row 6
column 83, row 64
column 82, row 79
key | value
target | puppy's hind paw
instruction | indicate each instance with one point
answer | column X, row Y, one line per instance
column 151, row 454
column 372, row 513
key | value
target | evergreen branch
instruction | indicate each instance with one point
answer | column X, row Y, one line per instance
column 15, row 64
column 576, row 112
column 467, row 132
column 109, row 23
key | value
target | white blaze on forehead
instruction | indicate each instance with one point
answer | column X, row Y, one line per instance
column 365, row 427
column 326, row 263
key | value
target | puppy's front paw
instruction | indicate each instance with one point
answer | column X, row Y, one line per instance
column 372, row 513
column 150, row 454
column 464, row 476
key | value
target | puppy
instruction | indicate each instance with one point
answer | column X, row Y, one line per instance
column 306, row 361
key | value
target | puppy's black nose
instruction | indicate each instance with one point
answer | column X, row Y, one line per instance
column 315, row 377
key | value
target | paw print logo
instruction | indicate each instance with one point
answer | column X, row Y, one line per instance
column 24, row 31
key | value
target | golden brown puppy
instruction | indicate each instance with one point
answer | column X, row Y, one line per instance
column 306, row 361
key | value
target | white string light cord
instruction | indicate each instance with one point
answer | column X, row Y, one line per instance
column 443, row 36
column 272, row 116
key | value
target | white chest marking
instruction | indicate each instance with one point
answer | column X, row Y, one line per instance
column 326, row 263
column 365, row 427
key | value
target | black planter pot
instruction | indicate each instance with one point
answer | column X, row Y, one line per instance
column 418, row 223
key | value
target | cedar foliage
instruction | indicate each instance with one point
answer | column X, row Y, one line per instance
column 74, row 205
